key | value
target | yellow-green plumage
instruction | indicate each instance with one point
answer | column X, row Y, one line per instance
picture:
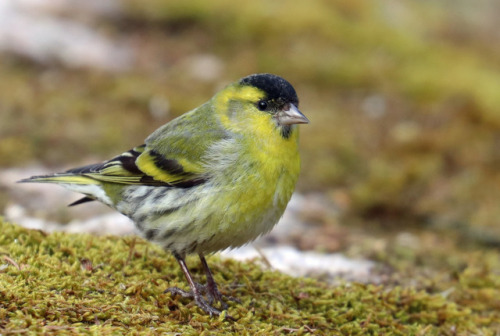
column 216, row 177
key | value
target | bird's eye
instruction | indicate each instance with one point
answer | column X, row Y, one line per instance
column 262, row 105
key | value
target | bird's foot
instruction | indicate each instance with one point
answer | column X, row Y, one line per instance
column 212, row 295
column 183, row 293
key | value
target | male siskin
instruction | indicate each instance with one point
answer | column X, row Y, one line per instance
column 218, row 176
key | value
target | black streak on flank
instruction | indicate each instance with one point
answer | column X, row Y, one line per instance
column 151, row 233
column 139, row 221
column 166, row 212
column 192, row 247
column 169, row 233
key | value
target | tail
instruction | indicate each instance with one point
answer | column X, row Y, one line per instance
column 78, row 183
column 61, row 178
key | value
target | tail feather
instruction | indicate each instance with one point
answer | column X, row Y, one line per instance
column 63, row 178
column 91, row 188
column 82, row 200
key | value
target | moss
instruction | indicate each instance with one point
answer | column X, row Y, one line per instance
column 69, row 283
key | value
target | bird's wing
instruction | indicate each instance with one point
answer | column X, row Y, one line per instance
column 143, row 166
column 174, row 153
column 171, row 156
column 121, row 169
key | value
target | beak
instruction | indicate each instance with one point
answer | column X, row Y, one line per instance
column 292, row 116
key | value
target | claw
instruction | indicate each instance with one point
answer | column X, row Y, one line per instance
column 213, row 296
column 178, row 291
column 206, row 307
column 197, row 291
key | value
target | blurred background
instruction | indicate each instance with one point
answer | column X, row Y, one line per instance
column 401, row 158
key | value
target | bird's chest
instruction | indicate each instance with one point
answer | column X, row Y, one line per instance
column 259, row 188
column 247, row 193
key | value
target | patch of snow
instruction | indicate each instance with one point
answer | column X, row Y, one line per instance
column 112, row 223
column 291, row 261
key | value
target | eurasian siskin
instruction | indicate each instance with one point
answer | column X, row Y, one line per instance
column 216, row 177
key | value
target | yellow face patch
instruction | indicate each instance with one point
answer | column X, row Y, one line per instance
column 238, row 93
column 249, row 117
column 236, row 108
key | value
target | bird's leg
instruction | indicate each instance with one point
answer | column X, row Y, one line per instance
column 211, row 287
column 195, row 290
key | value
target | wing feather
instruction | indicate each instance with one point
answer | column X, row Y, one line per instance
column 171, row 156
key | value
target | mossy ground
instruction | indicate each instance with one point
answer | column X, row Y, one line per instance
column 76, row 283
column 403, row 98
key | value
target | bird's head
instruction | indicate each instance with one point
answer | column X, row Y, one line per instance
column 260, row 103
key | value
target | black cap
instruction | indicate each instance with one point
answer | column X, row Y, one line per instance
column 276, row 88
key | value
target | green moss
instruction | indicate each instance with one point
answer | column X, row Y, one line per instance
column 52, row 283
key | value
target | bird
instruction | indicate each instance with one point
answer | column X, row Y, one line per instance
column 216, row 177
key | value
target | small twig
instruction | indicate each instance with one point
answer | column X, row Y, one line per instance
column 264, row 258
column 12, row 262
column 13, row 331
column 291, row 330
column 308, row 328
column 55, row 327
column 286, row 329
column 131, row 250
